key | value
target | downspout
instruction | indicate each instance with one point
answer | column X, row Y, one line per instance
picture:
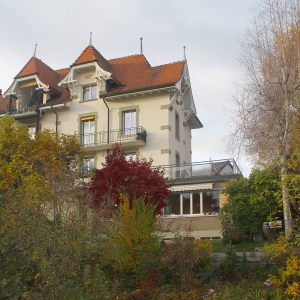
column 56, row 121
column 107, row 123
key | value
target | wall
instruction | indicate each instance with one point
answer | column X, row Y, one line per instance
column 200, row 226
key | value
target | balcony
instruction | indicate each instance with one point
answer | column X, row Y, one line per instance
column 25, row 107
column 131, row 137
column 225, row 167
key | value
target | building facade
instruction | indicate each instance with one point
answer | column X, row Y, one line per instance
column 149, row 110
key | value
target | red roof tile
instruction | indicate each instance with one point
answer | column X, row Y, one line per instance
column 62, row 73
column 131, row 73
column 90, row 54
column 45, row 73
column 4, row 103
column 135, row 73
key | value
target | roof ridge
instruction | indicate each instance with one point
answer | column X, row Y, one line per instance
column 45, row 64
column 130, row 56
column 126, row 56
column 34, row 61
column 24, row 66
column 61, row 69
column 172, row 63
column 81, row 54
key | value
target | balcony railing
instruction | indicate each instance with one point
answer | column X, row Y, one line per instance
column 103, row 138
column 202, row 169
column 25, row 107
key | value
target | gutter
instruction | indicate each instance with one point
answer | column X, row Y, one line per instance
column 56, row 121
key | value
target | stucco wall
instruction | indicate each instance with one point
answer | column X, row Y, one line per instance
column 200, row 226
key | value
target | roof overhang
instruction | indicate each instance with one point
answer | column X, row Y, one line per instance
column 70, row 80
column 59, row 106
column 136, row 93
column 23, row 81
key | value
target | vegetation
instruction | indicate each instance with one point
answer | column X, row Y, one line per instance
column 135, row 178
column 51, row 247
column 267, row 99
column 250, row 202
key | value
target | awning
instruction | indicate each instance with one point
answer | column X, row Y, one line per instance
column 192, row 187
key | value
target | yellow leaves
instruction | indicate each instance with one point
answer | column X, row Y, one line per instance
column 37, row 276
column 276, row 250
column 205, row 245
column 290, row 275
column 293, row 290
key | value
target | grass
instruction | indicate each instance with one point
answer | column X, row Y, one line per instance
column 219, row 246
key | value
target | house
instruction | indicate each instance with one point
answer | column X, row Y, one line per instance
column 149, row 110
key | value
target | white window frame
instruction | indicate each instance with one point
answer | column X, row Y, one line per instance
column 88, row 164
column 90, row 93
column 191, row 204
column 131, row 129
column 88, row 138
column 32, row 131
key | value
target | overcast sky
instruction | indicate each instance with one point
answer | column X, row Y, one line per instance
column 210, row 30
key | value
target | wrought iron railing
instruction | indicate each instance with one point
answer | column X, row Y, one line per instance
column 202, row 169
column 114, row 136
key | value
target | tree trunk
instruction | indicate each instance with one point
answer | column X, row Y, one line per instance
column 285, row 200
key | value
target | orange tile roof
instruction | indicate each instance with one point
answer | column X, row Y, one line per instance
column 135, row 73
column 4, row 103
column 62, row 73
column 131, row 73
column 90, row 54
column 44, row 72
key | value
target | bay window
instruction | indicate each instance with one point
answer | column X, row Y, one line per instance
column 193, row 203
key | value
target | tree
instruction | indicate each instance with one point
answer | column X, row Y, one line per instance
column 132, row 241
column 45, row 238
column 267, row 99
column 138, row 179
column 250, row 203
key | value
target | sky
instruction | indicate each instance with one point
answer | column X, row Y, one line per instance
column 209, row 29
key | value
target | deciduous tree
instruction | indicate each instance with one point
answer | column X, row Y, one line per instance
column 138, row 179
column 266, row 121
column 250, row 203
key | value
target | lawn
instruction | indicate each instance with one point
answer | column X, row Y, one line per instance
column 219, row 246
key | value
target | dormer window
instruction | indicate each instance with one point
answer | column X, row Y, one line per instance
column 89, row 92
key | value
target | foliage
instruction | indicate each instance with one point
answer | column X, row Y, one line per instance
column 46, row 244
column 132, row 242
column 289, row 276
column 266, row 119
column 249, row 246
column 186, row 261
column 136, row 178
column 227, row 266
column 250, row 203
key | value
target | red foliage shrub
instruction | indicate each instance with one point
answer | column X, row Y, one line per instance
column 135, row 178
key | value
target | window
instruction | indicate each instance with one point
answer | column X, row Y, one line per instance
column 196, row 203
column 129, row 122
column 130, row 156
column 88, row 165
column 177, row 127
column 172, row 205
column 31, row 131
column 88, row 130
column 89, row 92
column 177, row 161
